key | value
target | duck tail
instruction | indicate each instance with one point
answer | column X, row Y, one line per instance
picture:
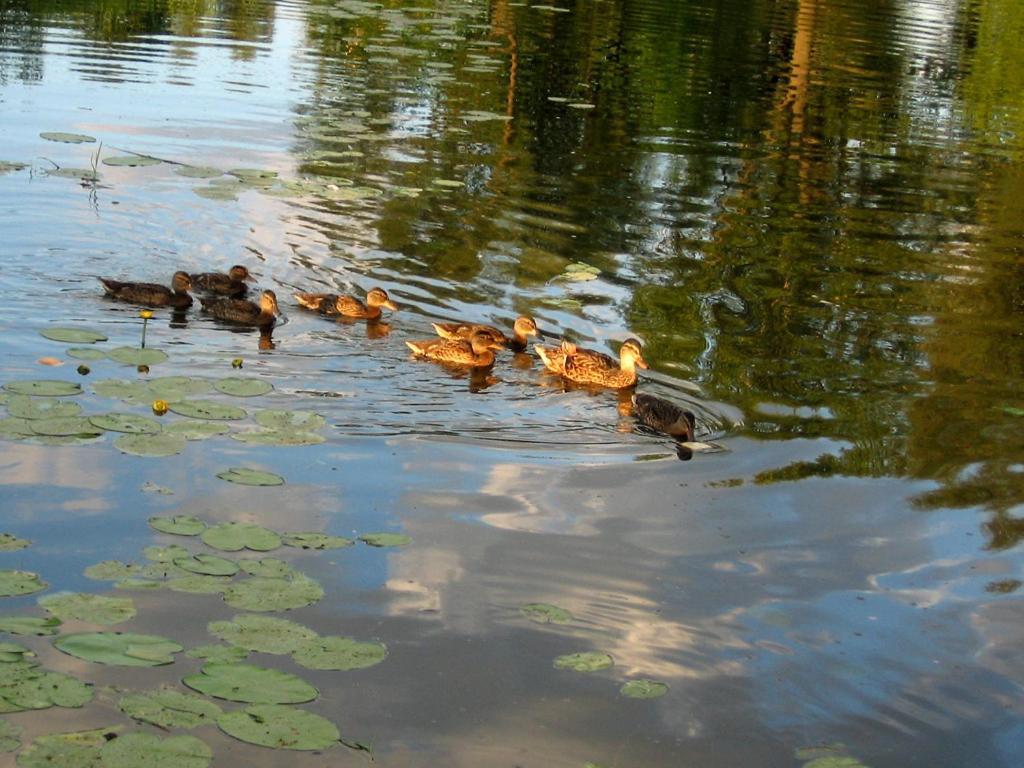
column 308, row 300
column 416, row 347
column 440, row 330
column 110, row 286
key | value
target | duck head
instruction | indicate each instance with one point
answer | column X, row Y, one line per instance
column 181, row 282
column 378, row 297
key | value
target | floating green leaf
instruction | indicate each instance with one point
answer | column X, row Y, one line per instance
column 315, row 540
column 339, row 653
column 232, row 537
column 131, row 161
column 179, row 525
column 83, row 174
column 126, row 422
column 119, row 648
column 242, row 387
column 7, row 166
column 10, row 543
column 207, row 409
column 300, row 421
column 259, row 594
column 144, row 750
column 1013, row 411
column 131, row 391
column 385, row 539
column 25, row 686
column 838, row 761
column 16, row 428
column 249, row 174
column 247, row 476
column 545, row 613
column 160, row 444
column 199, row 584
column 250, row 684
column 175, row 388
column 218, row 192
column 10, row 736
column 167, row 708
column 29, row 625
column 13, row 653
column 262, row 633
column 44, row 388
column 96, row 609
column 589, row 661
column 80, row 749
column 20, row 583
column 218, row 653
column 279, row 437
column 66, row 426
column 72, row 335
column 137, row 356
column 643, row 689
column 279, row 727
column 198, row 171
column 165, row 554
column 87, row 353
column 196, row 430
column 111, row 570
column 67, row 138
column 136, row 583
column 150, row 487
column 268, row 568
column 208, row 565
column 25, row 407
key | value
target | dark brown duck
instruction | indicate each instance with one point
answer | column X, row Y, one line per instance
column 244, row 312
column 231, row 284
column 152, row 294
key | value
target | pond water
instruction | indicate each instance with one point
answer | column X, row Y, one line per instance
column 809, row 211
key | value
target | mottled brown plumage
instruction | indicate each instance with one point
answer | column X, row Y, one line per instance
column 243, row 311
column 152, row 294
column 663, row 416
column 348, row 306
column 586, row 366
column 476, row 351
column 232, row 284
column 523, row 327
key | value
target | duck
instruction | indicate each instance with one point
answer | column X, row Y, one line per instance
column 587, row 366
column 663, row 416
column 476, row 351
column 152, row 294
column 243, row 311
column 232, row 284
column 348, row 306
column 524, row 326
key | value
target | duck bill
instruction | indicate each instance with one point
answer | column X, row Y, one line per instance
column 640, row 363
column 390, row 305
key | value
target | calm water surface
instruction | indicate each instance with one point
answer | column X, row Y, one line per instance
column 810, row 212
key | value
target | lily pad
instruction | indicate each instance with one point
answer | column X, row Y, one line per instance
column 150, row 487
column 232, row 537
column 199, row 584
column 165, row 554
column 217, row 192
column 300, row 421
column 73, row 335
column 157, row 445
column 25, row 407
column 15, row 428
column 218, row 653
column 208, row 565
column 66, row 426
column 260, row 594
column 196, row 430
column 279, row 437
column 24, row 686
column 13, row 653
column 315, row 540
column 10, row 736
column 11, row 543
column 119, row 648
column 14, row 583
column 243, row 387
column 175, row 388
column 67, row 138
column 179, row 525
column 589, row 661
column 30, row 626
column 86, row 353
column 111, row 570
column 7, row 166
column 207, row 409
column 137, row 355
column 80, row 749
column 385, row 539
column 247, row 476
column 279, row 727
column 83, row 174
column 131, row 161
column 339, row 653
column 95, row 609
column 137, row 583
column 250, row 684
column 262, row 633
column 144, row 750
column 198, row 171
column 126, row 422
column 268, row 568
column 249, row 174
column 545, row 613
column 121, row 389
column 643, row 689
column 167, row 708
column 44, row 388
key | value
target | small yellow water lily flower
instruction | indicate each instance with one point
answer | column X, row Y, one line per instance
column 145, row 314
column 236, row 363
column 159, row 407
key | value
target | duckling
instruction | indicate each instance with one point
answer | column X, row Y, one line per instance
column 348, row 306
column 152, row 294
column 232, row 284
column 244, row 312
column 587, row 366
column 663, row 416
column 523, row 327
column 475, row 351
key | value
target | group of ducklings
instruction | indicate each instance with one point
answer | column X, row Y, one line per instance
column 462, row 344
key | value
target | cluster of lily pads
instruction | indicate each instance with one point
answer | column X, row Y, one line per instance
column 269, row 718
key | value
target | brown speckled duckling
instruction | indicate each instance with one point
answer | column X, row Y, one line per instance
column 244, row 312
column 232, row 284
column 152, row 294
column 348, row 306
column 586, row 366
column 663, row 416
column 523, row 327
column 475, row 352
